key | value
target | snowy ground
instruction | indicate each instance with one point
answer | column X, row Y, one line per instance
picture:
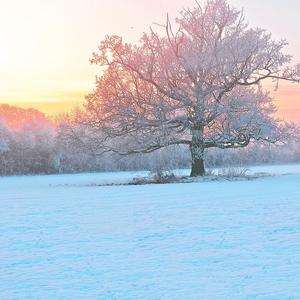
column 63, row 238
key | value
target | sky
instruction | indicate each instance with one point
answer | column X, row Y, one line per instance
column 45, row 46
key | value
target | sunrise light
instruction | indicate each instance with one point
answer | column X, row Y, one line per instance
column 46, row 45
column 149, row 149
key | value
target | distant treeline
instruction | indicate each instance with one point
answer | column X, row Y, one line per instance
column 31, row 143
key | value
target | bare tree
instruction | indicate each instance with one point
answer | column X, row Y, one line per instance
column 195, row 82
column 4, row 138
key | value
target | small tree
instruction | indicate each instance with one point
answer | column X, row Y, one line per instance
column 195, row 82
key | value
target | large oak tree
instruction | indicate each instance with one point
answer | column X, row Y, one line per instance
column 195, row 81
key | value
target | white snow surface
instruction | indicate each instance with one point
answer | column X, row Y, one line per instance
column 64, row 237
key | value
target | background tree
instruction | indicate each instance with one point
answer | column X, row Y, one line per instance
column 43, row 146
column 4, row 138
column 195, row 82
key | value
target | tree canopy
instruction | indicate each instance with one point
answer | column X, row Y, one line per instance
column 195, row 81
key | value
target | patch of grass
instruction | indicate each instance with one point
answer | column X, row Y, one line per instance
column 159, row 177
column 234, row 172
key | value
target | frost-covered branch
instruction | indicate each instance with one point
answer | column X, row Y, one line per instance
column 194, row 81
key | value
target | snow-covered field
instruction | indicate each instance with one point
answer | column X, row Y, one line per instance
column 62, row 237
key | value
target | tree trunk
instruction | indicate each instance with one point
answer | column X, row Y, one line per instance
column 197, row 167
column 197, row 152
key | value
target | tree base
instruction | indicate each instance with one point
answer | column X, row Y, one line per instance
column 197, row 168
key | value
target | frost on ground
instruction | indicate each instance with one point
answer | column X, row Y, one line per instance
column 63, row 238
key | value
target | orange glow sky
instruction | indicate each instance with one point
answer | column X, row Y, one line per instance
column 45, row 46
